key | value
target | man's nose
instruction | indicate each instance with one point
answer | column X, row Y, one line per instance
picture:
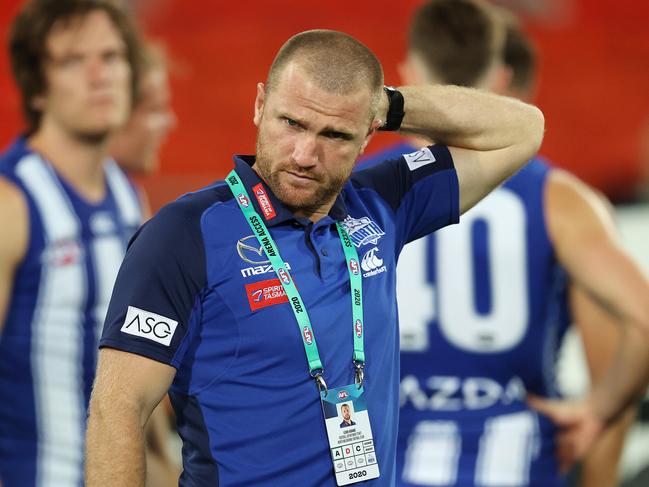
column 305, row 151
column 97, row 71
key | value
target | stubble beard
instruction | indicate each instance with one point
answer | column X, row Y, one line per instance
column 294, row 199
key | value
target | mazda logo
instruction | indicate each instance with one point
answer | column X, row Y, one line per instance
column 250, row 251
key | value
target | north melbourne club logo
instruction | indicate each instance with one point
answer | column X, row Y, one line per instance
column 420, row 158
column 362, row 231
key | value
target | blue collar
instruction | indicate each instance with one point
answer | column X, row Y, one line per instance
column 251, row 180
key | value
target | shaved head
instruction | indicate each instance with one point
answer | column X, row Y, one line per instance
column 336, row 62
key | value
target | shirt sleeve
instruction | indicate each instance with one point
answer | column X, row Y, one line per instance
column 156, row 298
column 421, row 188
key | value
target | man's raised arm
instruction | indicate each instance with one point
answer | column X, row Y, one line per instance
column 489, row 136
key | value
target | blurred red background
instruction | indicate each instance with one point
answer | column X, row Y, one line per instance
column 594, row 75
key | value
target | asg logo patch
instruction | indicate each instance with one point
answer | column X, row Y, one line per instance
column 353, row 266
column 283, row 275
column 342, row 394
column 308, row 336
column 152, row 326
column 359, row 328
column 245, row 202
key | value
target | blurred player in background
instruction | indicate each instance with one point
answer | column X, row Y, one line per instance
column 136, row 145
column 598, row 330
column 484, row 305
column 67, row 212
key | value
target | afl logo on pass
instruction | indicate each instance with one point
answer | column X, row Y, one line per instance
column 243, row 200
column 342, row 394
column 149, row 325
column 308, row 337
column 359, row 328
column 353, row 266
column 283, row 275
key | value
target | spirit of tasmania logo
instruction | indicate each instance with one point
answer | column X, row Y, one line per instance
column 265, row 293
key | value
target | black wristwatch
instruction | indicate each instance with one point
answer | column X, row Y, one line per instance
column 395, row 110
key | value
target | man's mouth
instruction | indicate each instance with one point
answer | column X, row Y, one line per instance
column 300, row 177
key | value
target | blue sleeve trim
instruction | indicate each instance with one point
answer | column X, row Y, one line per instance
column 394, row 178
column 164, row 273
column 139, row 349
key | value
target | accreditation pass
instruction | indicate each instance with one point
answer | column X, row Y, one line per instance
column 350, row 435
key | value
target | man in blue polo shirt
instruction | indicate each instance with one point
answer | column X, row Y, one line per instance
column 208, row 298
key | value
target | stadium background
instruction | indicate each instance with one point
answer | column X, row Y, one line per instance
column 594, row 79
column 594, row 74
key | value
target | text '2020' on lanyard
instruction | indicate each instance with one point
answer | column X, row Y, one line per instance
column 297, row 305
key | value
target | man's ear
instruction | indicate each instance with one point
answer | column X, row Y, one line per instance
column 259, row 103
column 370, row 133
column 37, row 103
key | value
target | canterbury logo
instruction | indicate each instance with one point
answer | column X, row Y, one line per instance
column 371, row 261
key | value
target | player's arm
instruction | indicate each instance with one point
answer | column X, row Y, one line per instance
column 489, row 136
column 601, row 337
column 161, row 468
column 14, row 220
column 147, row 328
column 587, row 245
column 127, row 389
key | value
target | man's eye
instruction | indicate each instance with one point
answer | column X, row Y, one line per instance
column 337, row 135
column 290, row 122
column 111, row 56
column 69, row 61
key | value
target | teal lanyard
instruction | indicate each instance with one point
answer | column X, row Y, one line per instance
column 297, row 305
